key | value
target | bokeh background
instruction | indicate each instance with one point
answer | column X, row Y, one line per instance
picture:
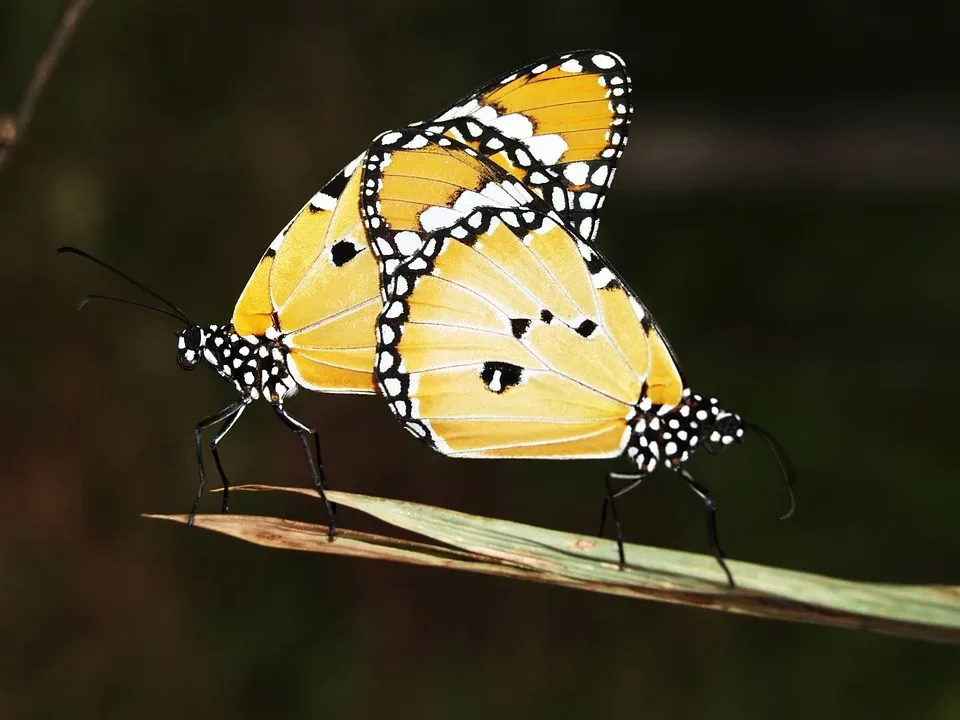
column 788, row 207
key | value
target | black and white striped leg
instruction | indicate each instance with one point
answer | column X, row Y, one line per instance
column 714, row 541
column 316, row 466
column 231, row 412
column 610, row 500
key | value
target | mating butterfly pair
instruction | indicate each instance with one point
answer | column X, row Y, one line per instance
column 451, row 267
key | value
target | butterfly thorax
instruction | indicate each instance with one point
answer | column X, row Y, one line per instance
column 256, row 365
column 669, row 435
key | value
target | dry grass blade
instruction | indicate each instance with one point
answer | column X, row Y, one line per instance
column 500, row 547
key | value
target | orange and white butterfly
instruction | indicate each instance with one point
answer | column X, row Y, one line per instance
column 505, row 334
column 306, row 317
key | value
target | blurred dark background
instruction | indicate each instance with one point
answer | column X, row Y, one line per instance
column 788, row 207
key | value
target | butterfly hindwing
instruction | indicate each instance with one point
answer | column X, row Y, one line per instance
column 503, row 333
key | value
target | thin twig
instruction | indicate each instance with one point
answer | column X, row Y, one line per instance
column 12, row 127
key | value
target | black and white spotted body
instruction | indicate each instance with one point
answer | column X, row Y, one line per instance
column 668, row 435
column 255, row 365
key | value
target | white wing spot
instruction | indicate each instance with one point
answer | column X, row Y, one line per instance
column 576, row 172
column 547, row 148
column 603, row 278
column 407, row 242
column 322, row 201
column 384, row 247
column 559, row 199
column 437, row 218
column 514, row 125
column 586, row 226
column 390, row 138
column 604, row 62
column 418, row 141
column 394, row 310
column 588, row 200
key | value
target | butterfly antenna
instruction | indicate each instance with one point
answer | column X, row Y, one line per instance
column 177, row 312
column 88, row 298
column 786, row 468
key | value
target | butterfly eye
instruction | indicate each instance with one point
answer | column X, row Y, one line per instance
column 188, row 359
column 729, row 426
column 193, row 337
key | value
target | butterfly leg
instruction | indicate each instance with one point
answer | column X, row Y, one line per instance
column 225, row 428
column 711, row 504
column 611, row 500
column 316, row 466
column 230, row 412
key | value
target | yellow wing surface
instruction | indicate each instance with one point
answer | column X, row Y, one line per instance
column 316, row 286
column 505, row 334
column 558, row 124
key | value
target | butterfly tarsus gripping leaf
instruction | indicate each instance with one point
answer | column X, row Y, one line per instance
column 711, row 505
column 316, row 464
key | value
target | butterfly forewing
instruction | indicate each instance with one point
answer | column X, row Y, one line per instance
column 558, row 124
column 317, row 286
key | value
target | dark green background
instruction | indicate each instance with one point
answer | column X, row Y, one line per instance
column 807, row 275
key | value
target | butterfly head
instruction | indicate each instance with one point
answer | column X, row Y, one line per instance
column 719, row 428
column 190, row 343
column 669, row 435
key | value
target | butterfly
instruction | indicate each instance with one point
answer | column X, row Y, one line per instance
column 506, row 334
column 306, row 316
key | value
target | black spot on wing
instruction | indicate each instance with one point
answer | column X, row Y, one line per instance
column 336, row 186
column 595, row 264
column 586, row 328
column 546, row 316
column 469, row 240
column 519, row 327
column 343, row 252
column 500, row 376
